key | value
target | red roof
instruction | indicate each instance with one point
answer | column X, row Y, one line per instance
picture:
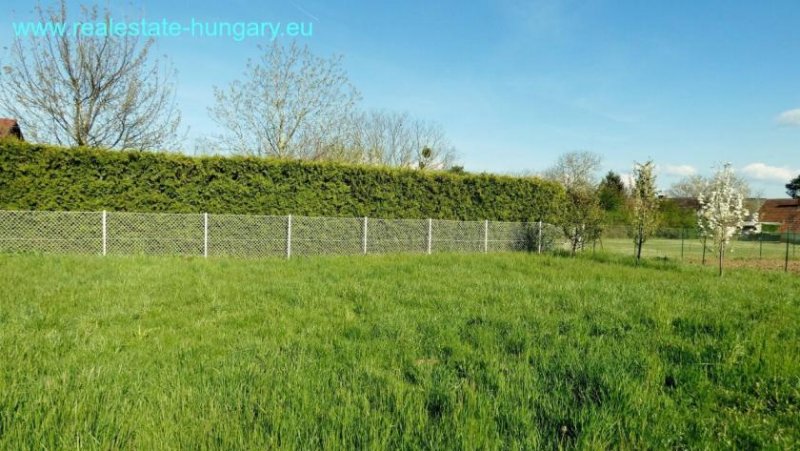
column 10, row 127
column 785, row 212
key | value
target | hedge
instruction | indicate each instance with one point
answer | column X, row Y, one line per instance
column 35, row 177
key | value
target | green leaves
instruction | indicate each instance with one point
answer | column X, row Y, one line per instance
column 793, row 188
column 39, row 177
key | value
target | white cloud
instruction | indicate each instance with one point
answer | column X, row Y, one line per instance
column 791, row 117
column 761, row 171
column 681, row 170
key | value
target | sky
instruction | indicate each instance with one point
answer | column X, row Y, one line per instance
column 515, row 84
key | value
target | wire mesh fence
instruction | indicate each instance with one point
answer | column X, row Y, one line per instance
column 51, row 232
column 391, row 236
column 251, row 236
column 246, row 236
column 154, row 234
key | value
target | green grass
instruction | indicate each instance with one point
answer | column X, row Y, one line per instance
column 692, row 249
column 443, row 351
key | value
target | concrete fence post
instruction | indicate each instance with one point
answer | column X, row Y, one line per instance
column 364, row 237
column 105, row 232
column 430, row 235
column 289, row 237
column 205, row 235
column 539, row 240
column 486, row 236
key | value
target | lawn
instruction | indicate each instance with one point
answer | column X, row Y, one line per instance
column 759, row 254
column 444, row 351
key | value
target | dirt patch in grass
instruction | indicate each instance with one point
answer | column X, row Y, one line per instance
column 763, row 264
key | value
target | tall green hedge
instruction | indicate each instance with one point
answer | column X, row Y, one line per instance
column 34, row 177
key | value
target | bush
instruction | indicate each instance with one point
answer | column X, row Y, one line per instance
column 552, row 237
column 36, row 177
column 675, row 215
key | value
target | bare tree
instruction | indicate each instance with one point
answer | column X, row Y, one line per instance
column 691, row 186
column 95, row 90
column 575, row 170
column 694, row 186
column 290, row 104
column 397, row 139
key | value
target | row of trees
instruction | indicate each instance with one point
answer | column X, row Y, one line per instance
column 108, row 91
column 589, row 205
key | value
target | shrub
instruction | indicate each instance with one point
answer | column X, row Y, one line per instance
column 36, row 177
column 551, row 237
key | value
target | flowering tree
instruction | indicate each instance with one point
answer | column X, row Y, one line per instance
column 644, row 205
column 722, row 214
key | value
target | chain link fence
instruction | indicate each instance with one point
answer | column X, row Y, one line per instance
column 51, row 232
column 248, row 236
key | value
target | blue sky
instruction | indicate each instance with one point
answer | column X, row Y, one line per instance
column 516, row 83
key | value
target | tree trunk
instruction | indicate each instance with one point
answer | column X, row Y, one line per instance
column 575, row 241
column 639, row 250
column 721, row 257
column 639, row 243
column 704, row 251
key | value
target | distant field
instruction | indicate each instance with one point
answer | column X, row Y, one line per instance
column 438, row 352
column 692, row 249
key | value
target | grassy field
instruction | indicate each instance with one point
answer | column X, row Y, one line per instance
column 691, row 250
column 444, row 351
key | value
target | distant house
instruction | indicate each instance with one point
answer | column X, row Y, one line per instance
column 784, row 213
column 10, row 128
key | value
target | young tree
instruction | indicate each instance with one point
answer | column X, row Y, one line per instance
column 581, row 218
column 793, row 188
column 644, row 205
column 722, row 213
column 291, row 104
column 89, row 90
